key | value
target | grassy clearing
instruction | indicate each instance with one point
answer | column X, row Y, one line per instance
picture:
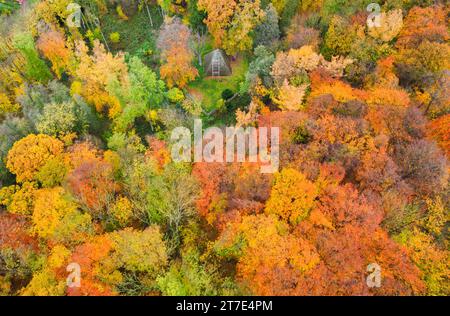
column 137, row 36
column 211, row 88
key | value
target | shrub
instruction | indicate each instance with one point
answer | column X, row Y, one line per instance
column 301, row 135
column 227, row 94
column 175, row 95
column 114, row 37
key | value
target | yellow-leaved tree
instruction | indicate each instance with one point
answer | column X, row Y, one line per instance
column 391, row 23
column 220, row 13
column 57, row 219
column 290, row 98
column 29, row 154
column 96, row 72
column 231, row 22
column 292, row 196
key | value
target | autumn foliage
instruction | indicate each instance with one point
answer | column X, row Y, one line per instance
column 30, row 154
column 95, row 202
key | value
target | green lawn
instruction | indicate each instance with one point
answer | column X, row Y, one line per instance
column 211, row 89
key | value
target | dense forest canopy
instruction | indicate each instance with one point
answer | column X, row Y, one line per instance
column 92, row 201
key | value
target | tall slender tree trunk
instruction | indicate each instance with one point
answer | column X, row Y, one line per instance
column 149, row 13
